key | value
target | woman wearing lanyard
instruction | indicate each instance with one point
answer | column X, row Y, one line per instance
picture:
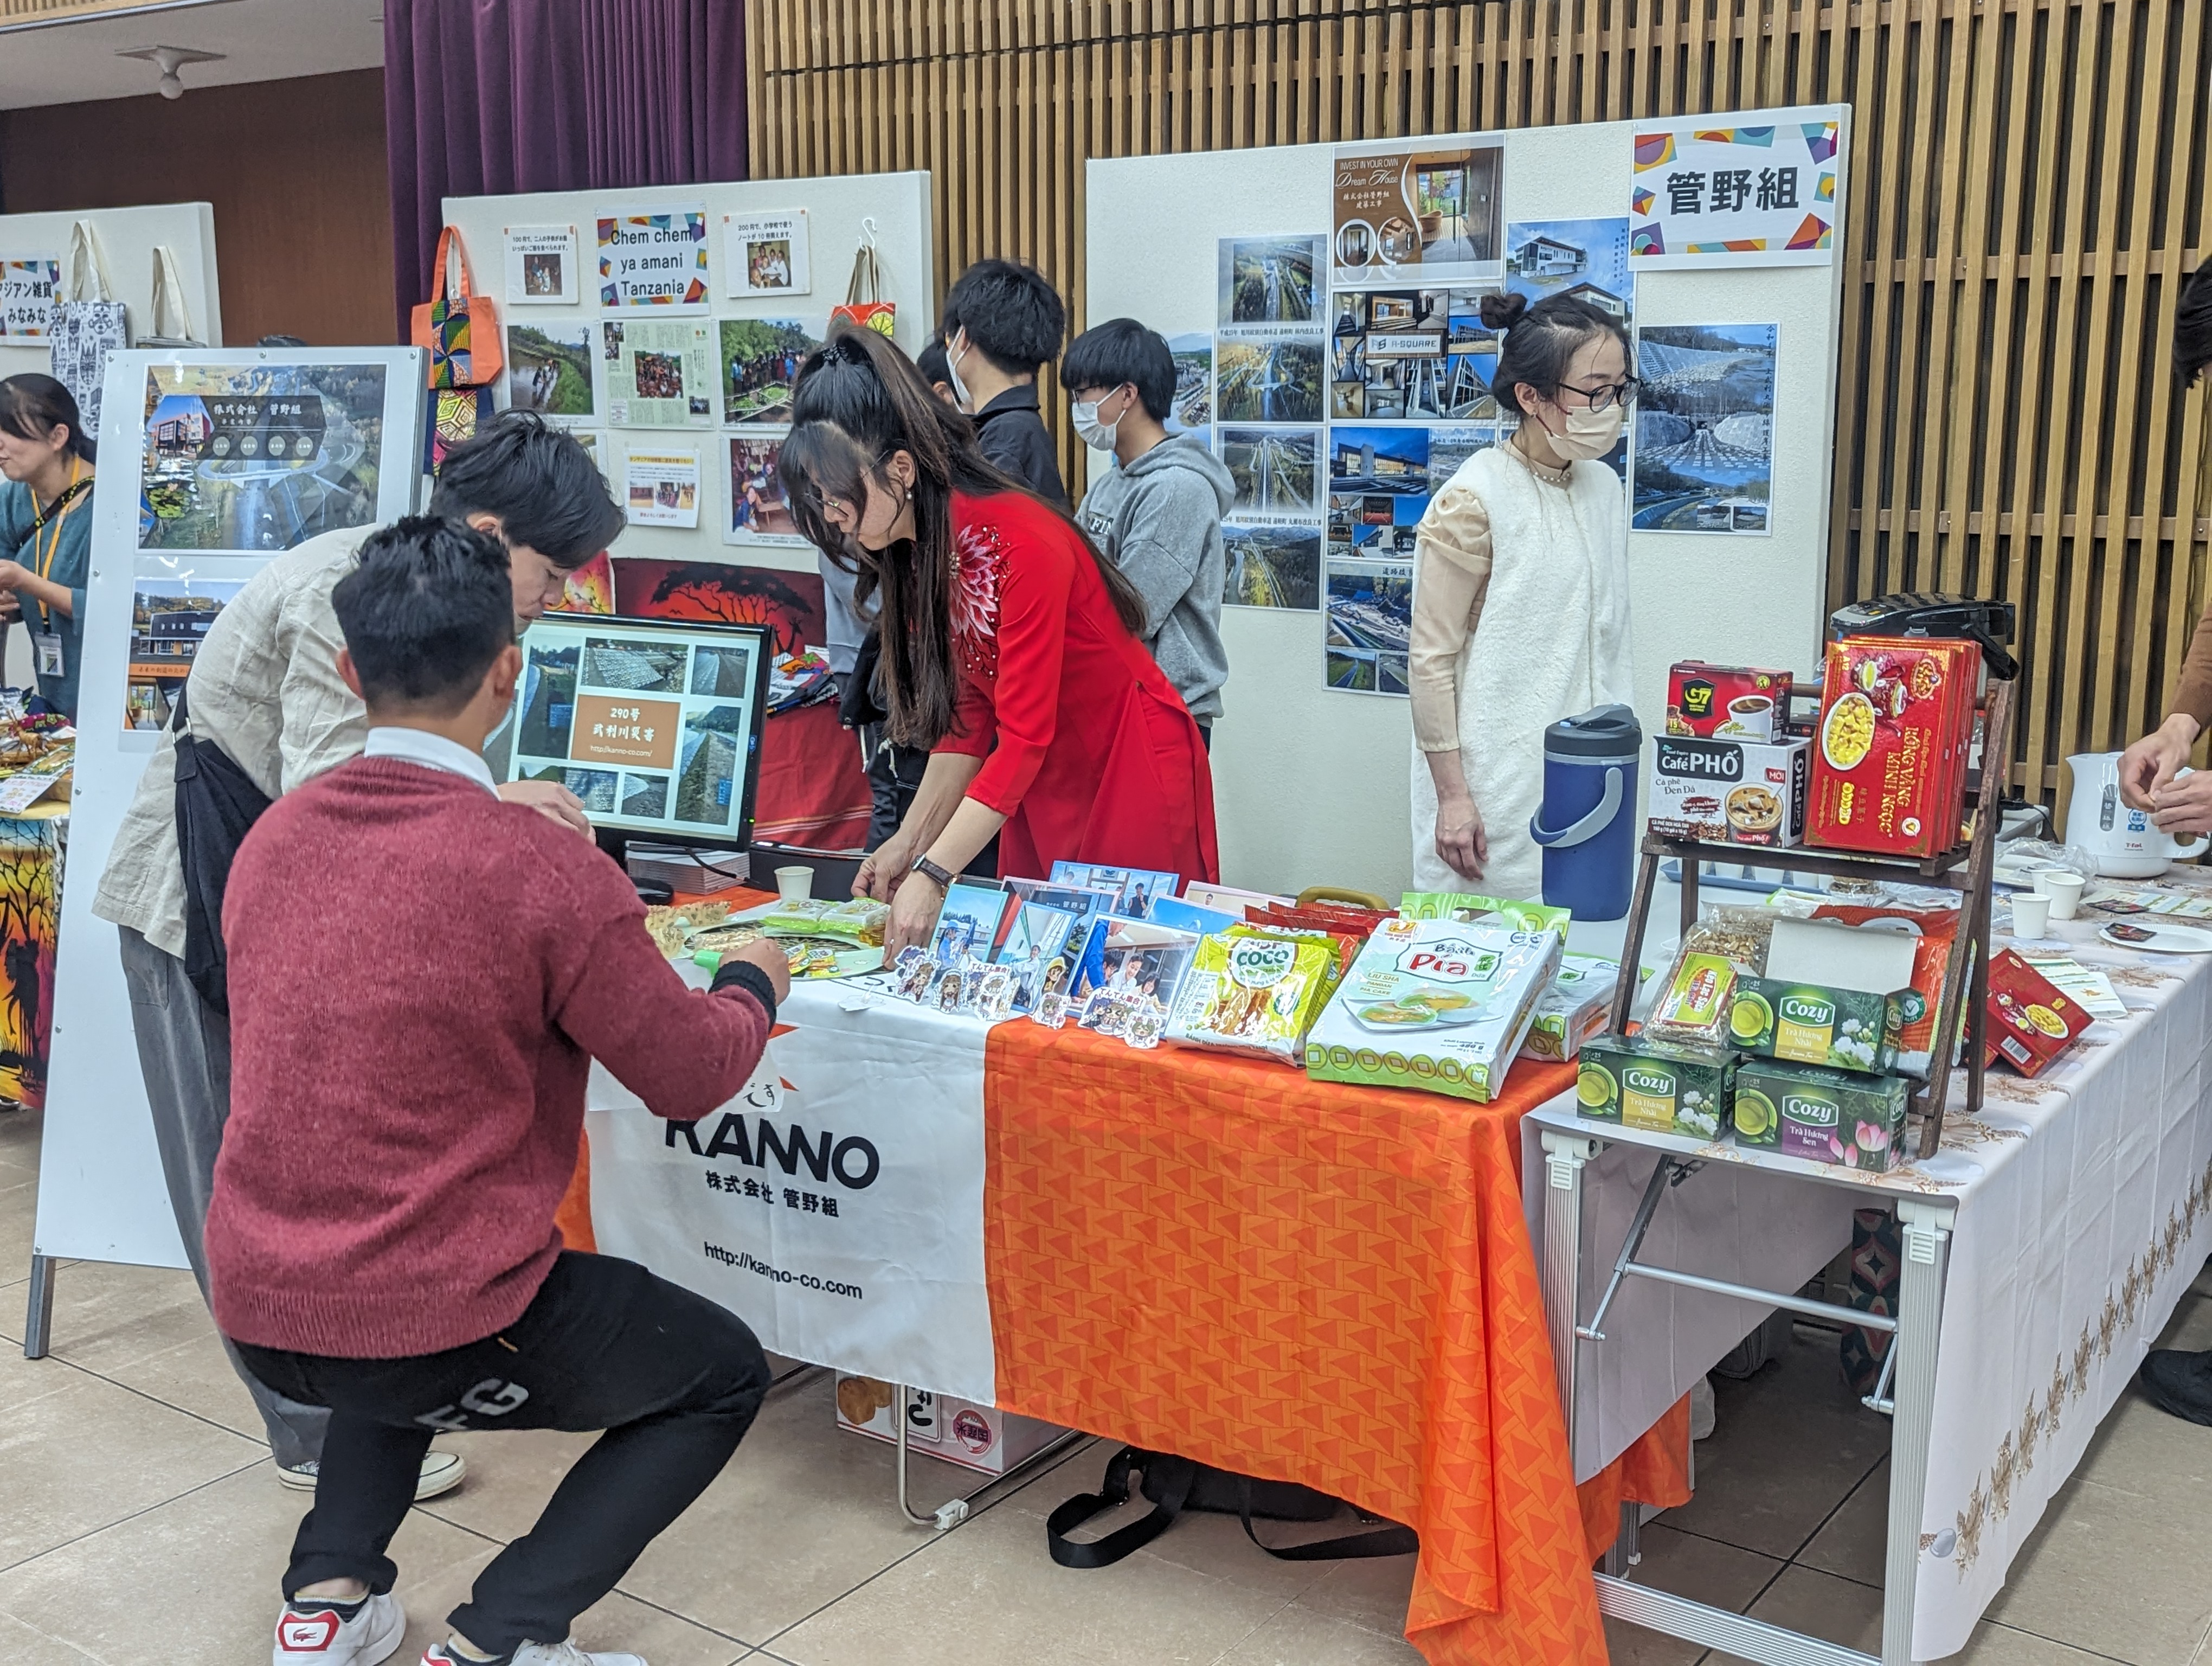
column 46, row 525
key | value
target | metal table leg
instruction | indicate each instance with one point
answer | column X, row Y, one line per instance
column 38, row 1321
column 953, row 1511
column 1926, row 1228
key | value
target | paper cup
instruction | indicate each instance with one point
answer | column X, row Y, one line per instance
column 794, row 885
column 2064, row 890
column 2031, row 914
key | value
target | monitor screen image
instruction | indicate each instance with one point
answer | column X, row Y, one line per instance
column 655, row 724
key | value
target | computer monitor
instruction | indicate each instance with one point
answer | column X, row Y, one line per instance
column 655, row 724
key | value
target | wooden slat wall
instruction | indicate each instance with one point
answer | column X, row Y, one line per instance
column 2028, row 188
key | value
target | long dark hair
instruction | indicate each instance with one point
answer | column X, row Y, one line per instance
column 858, row 401
column 1541, row 340
column 31, row 406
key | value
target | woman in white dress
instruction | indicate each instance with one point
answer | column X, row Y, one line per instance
column 1521, row 596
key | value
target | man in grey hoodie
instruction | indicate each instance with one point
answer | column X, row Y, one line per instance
column 1158, row 512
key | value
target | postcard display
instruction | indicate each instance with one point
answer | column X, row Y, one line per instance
column 1339, row 292
column 215, row 462
column 665, row 326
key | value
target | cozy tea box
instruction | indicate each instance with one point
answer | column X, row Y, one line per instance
column 1737, row 701
column 2031, row 1022
column 1729, row 792
column 1823, row 1115
column 1820, row 1024
column 1661, row 1087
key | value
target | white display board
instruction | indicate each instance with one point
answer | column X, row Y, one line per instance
column 128, row 238
column 1312, row 785
column 102, row 1196
column 831, row 217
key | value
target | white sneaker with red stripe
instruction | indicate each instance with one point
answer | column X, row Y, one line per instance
column 311, row 1633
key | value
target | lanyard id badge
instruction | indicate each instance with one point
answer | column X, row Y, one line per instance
column 46, row 655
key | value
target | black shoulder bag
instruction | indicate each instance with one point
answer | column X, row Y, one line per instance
column 217, row 803
column 1174, row 1485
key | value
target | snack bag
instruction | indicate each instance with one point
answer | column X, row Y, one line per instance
column 1434, row 1003
column 1467, row 908
column 1254, row 992
column 858, row 921
column 1574, row 1008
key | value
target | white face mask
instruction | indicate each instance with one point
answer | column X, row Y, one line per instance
column 960, row 394
column 1590, row 434
column 1098, row 436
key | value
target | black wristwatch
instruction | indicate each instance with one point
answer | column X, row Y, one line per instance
column 930, row 870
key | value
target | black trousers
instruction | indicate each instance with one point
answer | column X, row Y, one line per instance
column 673, row 1379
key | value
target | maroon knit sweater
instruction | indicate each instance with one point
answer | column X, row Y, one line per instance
column 419, row 977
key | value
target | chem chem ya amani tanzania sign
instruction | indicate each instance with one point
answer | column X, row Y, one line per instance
column 654, row 262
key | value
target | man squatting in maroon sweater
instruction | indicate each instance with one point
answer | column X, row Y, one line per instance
column 405, row 1105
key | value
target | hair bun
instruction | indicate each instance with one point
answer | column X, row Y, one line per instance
column 1500, row 311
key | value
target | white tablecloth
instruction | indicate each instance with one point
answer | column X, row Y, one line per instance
column 2085, row 1211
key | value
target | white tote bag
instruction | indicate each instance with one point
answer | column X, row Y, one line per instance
column 172, row 313
column 88, row 324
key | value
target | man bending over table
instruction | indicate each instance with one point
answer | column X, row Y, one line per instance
column 405, row 1103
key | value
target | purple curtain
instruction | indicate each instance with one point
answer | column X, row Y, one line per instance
column 483, row 97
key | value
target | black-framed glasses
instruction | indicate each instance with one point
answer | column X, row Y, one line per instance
column 1604, row 397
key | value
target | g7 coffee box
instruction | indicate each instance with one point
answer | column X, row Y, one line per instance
column 1730, row 792
column 1434, row 1003
column 938, row 1425
column 1823, row 1116
column 1739, row 701
column 1662, row 1087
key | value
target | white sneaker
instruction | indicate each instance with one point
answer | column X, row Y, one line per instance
column 536, row 1654
column 441, row 1473
column 310, row 1633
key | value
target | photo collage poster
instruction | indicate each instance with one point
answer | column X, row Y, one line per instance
column 1416, row 241
column 247, row 458
column 1266, row 411
column 618, row 361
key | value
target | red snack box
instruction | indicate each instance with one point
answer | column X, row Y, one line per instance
column 1897, row 717
column 1738, row 702
column 2030, row 1023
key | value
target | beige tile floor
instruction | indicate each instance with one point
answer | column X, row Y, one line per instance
column 140, row 1525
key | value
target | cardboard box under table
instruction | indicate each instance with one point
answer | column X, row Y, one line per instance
column 1300, row 1280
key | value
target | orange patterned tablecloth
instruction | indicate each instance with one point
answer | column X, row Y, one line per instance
column 1304, row 1281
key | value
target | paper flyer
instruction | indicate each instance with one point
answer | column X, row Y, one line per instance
column 1704, row 197
column 541, row 266
column 760, row 361
column 1277, row 471
column 758, row 511
column 169, row 620
column 659, row 375
column 1370, row 629
column 654, row 262
column 1585, row 259
column 28, row 288
column 660, row 486
column 1409, row 213
column 1705, row 428
column 765, row 253
column 1270, row 566
column 549, row 368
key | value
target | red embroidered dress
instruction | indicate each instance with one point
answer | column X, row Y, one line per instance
column 1089, row 752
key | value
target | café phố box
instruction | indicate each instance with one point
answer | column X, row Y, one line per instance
column 1660, row 1086
column 1823, row 1115
column 1433, row 1004
column 1731, row 791
column 981, row 1437
column 1740, row 701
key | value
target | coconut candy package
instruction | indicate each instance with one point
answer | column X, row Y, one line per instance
column 1254, row 992
column 1434, row 1003
column 858, row 921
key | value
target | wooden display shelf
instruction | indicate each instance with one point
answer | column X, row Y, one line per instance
column 1966, row 868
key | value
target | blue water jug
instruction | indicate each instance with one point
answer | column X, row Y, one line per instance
column 1587, row 823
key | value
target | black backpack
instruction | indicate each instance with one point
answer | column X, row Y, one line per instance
column 1174, row 1485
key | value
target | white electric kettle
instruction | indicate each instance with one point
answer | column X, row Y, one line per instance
column 2121, row 838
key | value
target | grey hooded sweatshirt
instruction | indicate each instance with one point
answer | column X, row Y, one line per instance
column 1159, row 521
